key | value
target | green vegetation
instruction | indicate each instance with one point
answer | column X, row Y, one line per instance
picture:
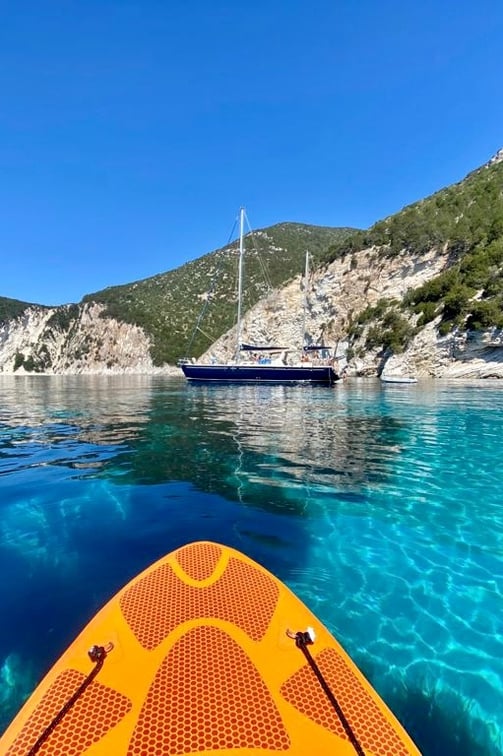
column 466, row 220
column 63, row 317
column 463, row 216
column 33, row 363
column 18, row 360
column 168, row 305
column 383, row 327
column 469, row 293
column 12, row 308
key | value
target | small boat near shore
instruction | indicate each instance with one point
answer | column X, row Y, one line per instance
column 398, row 379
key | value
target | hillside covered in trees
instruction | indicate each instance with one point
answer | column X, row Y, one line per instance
column 12, row 308
column 455, row 236
column 169, row 305
column 464, row 220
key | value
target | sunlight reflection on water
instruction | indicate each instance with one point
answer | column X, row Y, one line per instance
column 380, row 506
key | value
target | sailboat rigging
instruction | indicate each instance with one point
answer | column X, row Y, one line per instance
column 266, row 363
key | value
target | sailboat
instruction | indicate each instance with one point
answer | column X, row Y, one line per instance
column 264, row 363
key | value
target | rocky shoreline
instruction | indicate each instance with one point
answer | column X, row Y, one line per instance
column 42, row 342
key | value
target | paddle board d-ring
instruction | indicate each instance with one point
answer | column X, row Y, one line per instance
column 302, row 637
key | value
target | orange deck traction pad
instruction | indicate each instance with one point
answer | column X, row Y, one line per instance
column 201, row 664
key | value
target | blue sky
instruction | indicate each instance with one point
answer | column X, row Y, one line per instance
column 131, row 131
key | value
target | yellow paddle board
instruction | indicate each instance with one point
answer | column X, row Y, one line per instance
column 205, row 652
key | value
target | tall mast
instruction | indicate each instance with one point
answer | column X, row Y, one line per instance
column 306, row 284
column 240, row 280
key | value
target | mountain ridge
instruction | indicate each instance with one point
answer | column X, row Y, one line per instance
column 435, row 267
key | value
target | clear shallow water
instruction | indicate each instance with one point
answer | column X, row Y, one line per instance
column 381, row 506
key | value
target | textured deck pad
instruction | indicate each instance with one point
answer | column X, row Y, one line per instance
column 304, row 692
column 161, row 601
column 199, row 661
column 223, row 703
column 97, row 711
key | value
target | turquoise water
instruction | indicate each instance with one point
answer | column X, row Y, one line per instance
column 381, row 506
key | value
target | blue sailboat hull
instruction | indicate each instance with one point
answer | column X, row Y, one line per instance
column 322, row 374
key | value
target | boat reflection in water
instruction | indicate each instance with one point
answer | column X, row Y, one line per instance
column 294, row 439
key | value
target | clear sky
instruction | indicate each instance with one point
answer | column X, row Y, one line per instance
column 131, row 131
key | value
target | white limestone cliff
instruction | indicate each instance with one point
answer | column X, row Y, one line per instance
column 345, row 288
column 91, row 343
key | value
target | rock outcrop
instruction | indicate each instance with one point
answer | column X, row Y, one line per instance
column 72, row 339
column 342, row 290
column 80, row 339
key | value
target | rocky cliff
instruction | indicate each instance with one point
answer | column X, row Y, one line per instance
column 72, row 339
column 344, row 289
column 420, row 292
column 78, row 339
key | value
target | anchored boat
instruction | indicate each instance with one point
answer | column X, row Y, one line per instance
column 398, row 379
column 265, row 363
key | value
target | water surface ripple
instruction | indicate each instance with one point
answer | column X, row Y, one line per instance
column 379, row 505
